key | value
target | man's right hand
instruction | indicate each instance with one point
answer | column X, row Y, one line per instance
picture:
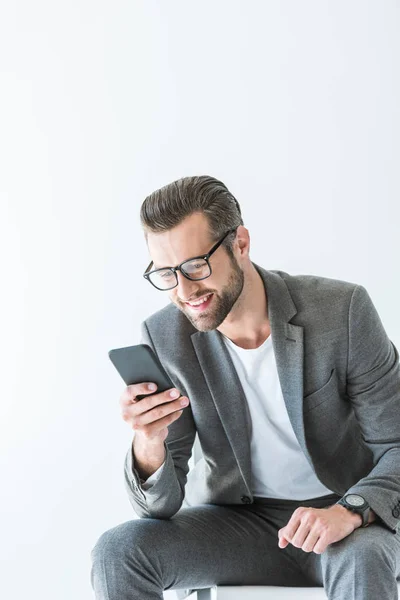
column 151, row 416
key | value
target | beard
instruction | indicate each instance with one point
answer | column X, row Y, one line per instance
column 221, row 303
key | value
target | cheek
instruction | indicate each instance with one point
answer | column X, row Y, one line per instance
column 220, row 273
column 216, row 281
column 174, row 297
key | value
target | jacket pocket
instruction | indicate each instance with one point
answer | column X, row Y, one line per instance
column 322, row 394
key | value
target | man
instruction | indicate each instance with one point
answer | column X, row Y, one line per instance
column 293, row 388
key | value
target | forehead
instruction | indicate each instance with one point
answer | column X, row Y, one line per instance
column 190, row 238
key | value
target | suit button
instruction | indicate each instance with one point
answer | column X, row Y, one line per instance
column 245, row 500
column 396, row 513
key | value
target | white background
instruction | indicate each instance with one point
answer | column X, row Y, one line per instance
column 294, row 105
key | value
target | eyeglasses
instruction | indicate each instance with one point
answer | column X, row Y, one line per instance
column 195, row 269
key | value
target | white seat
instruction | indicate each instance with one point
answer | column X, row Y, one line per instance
column 256, row 592
column 260, row 592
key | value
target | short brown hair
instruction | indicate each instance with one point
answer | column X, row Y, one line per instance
column 168, row 206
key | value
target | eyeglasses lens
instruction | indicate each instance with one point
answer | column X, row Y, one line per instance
column 194, row 269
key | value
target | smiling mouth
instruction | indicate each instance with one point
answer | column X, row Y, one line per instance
column 201, row 303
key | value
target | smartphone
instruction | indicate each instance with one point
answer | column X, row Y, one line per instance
column 139, row 364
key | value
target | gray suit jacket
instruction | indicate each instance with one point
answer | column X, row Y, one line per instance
column 340, row 378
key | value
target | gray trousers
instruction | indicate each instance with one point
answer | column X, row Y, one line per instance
column 211, row 545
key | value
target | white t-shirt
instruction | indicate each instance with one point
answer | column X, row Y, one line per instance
column 279, row 466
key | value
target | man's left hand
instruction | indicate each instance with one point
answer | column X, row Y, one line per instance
column 313, row 529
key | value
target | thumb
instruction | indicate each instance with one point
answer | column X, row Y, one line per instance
column 283, row 542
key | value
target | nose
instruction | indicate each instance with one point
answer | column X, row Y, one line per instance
column 186, row 287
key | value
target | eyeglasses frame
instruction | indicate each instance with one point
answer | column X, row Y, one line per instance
column 205, row 257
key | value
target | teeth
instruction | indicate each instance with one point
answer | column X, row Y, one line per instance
column 200, row 301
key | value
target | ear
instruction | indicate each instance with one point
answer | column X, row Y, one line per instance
column 242, row 241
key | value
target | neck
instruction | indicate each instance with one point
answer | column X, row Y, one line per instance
column 247, row 325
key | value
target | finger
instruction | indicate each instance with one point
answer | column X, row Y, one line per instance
column 310, row 541
column 320, row 546
column 159, row 399
column 283, row 542
column 156, row 426
column 162, row 398
column 131, row 392
column 158, row 412
column 300, row 535
column 292, row 526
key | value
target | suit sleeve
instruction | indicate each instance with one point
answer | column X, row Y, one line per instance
column 373, row 387
column 164, row 497
column 146, row 485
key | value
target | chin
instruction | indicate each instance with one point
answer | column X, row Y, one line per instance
column 203, row 326
column 204, row 323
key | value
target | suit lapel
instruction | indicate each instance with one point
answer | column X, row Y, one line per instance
column 288, row 345
column 227, row 394
column 224, row 383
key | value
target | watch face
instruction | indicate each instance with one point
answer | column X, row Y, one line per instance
column 355, row 500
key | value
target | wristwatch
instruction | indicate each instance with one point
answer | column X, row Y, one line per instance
column 356, row 504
